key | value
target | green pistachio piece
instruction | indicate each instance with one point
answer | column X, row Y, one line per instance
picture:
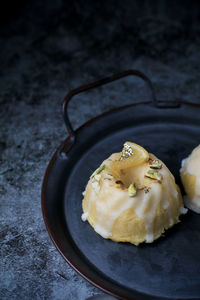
column 99, row 170
column 132, row 190
column 150, row 177
column 152, row 172
column 140, row 187
column 155, row 164
column 108, row 176
column 159, row 176
column 97, row 177
column 154, row 175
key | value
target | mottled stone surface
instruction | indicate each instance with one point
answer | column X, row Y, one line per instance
column 49, row 48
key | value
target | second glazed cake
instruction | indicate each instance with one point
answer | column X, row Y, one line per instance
column 190, row 176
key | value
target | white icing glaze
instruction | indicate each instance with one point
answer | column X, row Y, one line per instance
column 183, row 210
column 113, row 209
column 168, row 191
column 183, row 162
column 84, row 216
column 148, row 215
column 102, row 231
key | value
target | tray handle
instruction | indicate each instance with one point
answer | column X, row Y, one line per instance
column 98, row 83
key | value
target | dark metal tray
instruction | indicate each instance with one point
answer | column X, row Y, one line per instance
column 166, row 269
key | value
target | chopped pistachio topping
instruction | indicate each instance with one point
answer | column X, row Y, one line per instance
column 159, row 176
column 156, row 161
column 152, row 172
column 155, row 164
column 108, row 176
column 140, row 187
column 126, row 151
column 154, row 175
column 99, row 170
column 149, row 177
column 97, row 177
column 132, row 191
column 96, row 186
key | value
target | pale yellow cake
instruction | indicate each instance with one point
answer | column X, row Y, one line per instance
column 132, row 197
column 190, row 176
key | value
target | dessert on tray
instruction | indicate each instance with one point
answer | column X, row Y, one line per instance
column 190, row 176
column 132, row 197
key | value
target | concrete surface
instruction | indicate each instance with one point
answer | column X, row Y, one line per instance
column 48, row 48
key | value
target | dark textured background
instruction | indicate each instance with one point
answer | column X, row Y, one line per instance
column 46, row 49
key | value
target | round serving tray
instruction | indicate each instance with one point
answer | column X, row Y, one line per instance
column 169, row 268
